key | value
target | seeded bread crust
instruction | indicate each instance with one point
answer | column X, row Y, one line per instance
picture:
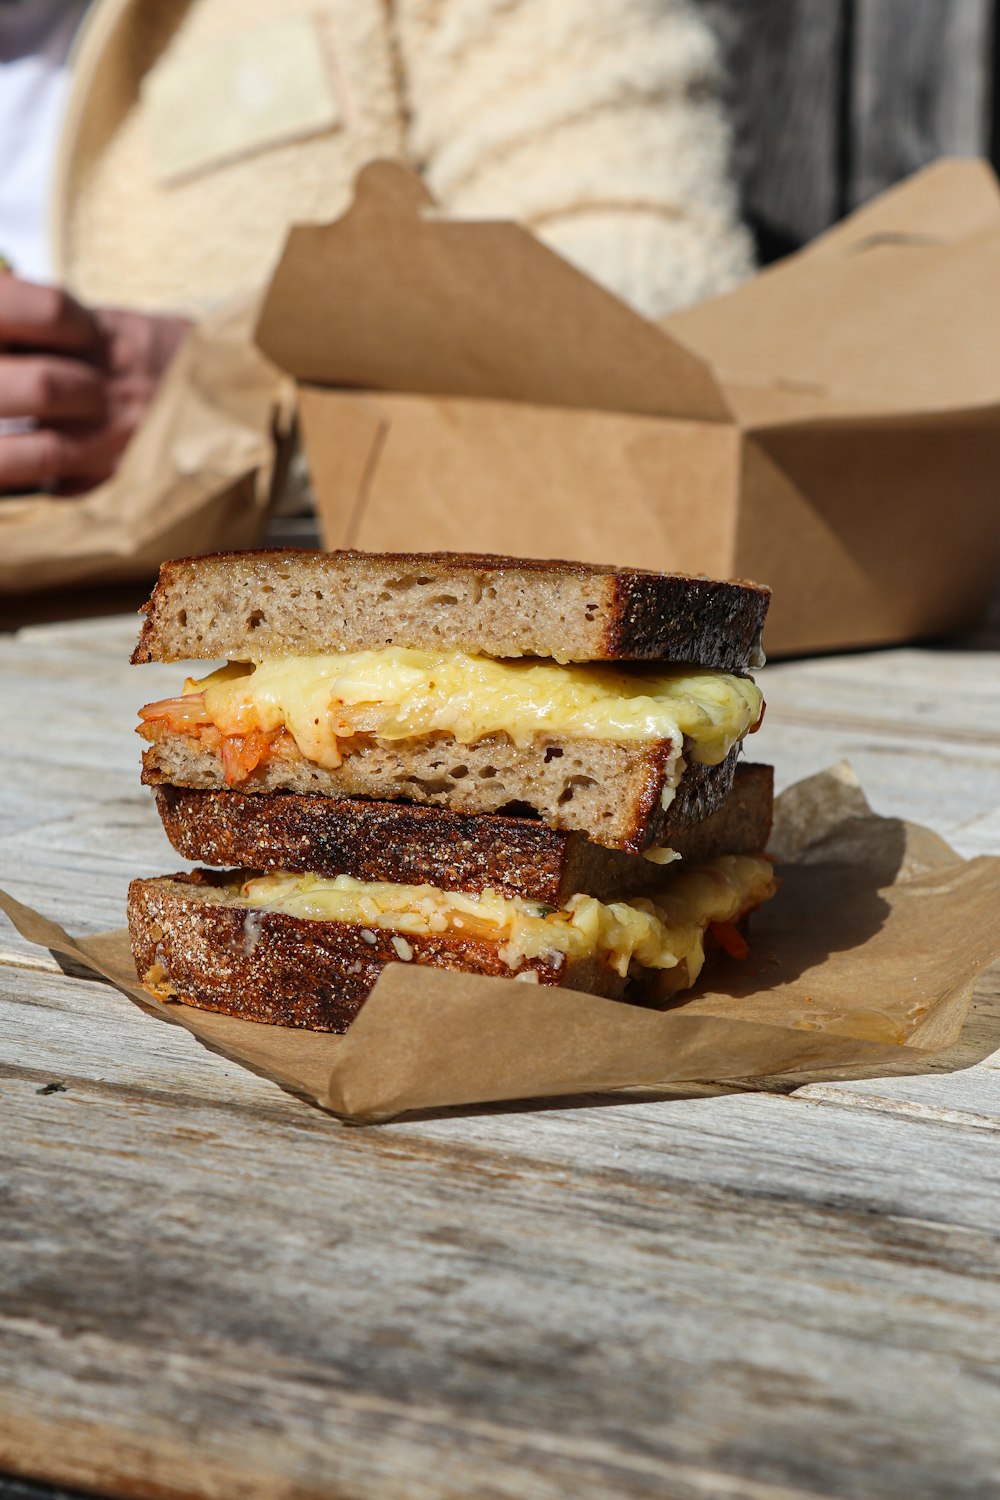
column 242, row 605
column 409, row 845
column 610, row 791
column 195, row 944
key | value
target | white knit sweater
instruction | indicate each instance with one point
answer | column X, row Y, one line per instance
column 596, row 122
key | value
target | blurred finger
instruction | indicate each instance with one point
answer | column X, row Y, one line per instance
column 50, row 389
column 28, row 460
column 44, row 317
column 50, row 457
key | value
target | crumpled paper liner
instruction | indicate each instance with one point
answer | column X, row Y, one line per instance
column 867, row 956
column 198, row 475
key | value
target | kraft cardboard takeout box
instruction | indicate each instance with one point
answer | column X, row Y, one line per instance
column 832, row 428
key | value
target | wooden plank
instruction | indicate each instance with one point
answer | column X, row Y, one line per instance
column 784, row 63
column 921, row 728
column 73, row 818
column 922, row 87
column 207, row 1287
column 215, row 1292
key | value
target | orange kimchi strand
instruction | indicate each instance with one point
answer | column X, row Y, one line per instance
column 760, row 718
column 243, row 753
column 177, row 713
column 729, row 939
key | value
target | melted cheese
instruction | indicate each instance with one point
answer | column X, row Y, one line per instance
column 660, row 854
column 655, row 934
column 401, row 694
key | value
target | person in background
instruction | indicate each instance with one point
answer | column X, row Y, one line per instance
column 195, row 131
column 74, row 381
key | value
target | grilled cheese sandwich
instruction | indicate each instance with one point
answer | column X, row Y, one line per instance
column 459, row 695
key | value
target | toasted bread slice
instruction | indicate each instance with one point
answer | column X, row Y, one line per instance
column 257, row 604
column 195, row 939
column 611, row 791
column 396, row 841
column 194, row 942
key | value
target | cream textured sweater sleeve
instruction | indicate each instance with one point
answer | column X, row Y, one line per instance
column 596, row 122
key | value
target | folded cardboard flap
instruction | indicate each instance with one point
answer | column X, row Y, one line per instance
column 895, row 310
column 391, row 298
column 952, row 199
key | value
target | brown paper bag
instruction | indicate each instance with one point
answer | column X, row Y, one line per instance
column 867, row 957
column 197, row 476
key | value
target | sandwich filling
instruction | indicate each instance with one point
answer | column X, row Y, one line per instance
column 658, row 933
column 321, row 702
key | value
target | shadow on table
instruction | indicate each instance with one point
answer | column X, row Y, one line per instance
column 820, row 910
column 823, row 907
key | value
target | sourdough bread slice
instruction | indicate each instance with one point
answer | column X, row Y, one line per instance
column 195, row 943
column 244, row 605
column 409, row 845
column 611, row 791
column 218, row 941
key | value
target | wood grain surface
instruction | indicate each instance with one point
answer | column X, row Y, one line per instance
column 208, row 1288
column 923, row 87
column 784, row 64
column 835, row 100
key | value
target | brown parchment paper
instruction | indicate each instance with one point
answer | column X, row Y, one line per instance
column 198, row 475
column 867, row 956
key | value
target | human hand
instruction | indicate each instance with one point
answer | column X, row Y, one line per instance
column 76, row 382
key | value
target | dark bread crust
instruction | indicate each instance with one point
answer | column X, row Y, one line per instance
column 393, row 841
column 739, row 823
column 610, row 791
column 195, row 945
column 410, row 845
column 288, row 602
column 710, row 623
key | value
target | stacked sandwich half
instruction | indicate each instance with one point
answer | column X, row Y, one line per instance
column 514, row 768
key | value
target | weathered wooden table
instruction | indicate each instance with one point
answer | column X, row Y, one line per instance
column 209, row 1288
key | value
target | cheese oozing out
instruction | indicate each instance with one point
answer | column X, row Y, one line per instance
column 398, row 694
column 654, row 933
